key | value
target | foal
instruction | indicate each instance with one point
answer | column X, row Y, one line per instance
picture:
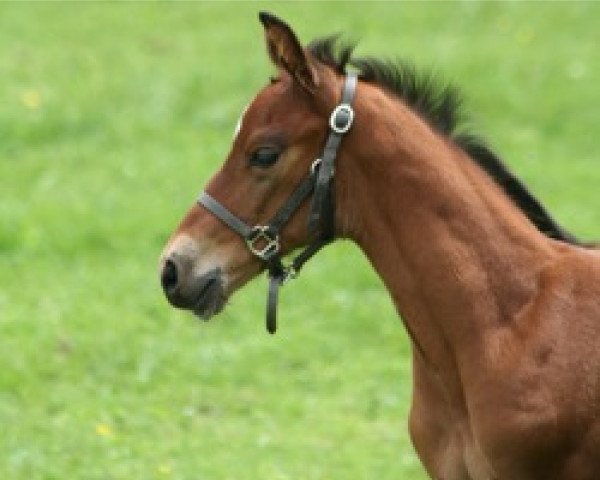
column 501, row 305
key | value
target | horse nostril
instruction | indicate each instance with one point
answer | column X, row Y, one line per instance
column 169, row 276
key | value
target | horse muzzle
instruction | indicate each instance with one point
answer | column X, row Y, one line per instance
column 201, row 293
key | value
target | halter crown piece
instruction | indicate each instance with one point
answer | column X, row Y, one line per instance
column 263, row 240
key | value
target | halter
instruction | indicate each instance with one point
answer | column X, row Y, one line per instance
column 264, row 241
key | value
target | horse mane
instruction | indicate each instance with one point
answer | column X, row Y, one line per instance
column 441, row 106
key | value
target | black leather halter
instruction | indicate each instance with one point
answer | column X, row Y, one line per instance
column 263, row 240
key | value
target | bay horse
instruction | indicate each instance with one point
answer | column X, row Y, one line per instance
column 502, row 306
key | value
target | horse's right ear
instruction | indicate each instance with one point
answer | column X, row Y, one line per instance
column 287, row 53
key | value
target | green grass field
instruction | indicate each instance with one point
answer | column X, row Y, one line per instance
column 113, row 117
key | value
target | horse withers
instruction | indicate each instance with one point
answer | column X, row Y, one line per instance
column 501, row 304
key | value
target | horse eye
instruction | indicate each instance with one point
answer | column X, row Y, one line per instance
column 264, row 157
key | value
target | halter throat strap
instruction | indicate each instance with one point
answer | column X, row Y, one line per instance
column 264, row 240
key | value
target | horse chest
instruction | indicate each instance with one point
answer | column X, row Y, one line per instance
column 505, row 444
column 502, row 436
column 446, row 446
column 456, row 449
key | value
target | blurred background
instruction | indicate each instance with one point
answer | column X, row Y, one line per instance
column 113, row 117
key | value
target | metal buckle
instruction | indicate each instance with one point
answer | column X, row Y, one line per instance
column 341, row 118
column 314, row 168
column 289, row 274
column 262, row 233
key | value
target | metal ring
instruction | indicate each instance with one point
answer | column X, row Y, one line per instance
column 342, row 109
column 316, row 164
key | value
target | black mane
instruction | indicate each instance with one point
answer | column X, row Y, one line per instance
column 440, row 105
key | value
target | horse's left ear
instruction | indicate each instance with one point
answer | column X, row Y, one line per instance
column 287, row 53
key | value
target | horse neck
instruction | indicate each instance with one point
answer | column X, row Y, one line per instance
column 458, row 258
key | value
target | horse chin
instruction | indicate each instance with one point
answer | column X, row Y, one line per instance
column 216, row 291
column 206, row 314
column 211, row 301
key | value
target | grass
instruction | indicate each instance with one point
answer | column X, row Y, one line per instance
column 113, row 117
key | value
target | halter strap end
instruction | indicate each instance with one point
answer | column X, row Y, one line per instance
column 272, row 300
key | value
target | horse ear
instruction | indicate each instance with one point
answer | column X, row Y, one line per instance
column 287, row 53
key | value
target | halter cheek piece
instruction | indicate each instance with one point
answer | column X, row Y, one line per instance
column 263, row 240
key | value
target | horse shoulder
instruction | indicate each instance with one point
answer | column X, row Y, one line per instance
column 537, row 404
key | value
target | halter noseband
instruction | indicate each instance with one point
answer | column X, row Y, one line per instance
column 263, row 240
